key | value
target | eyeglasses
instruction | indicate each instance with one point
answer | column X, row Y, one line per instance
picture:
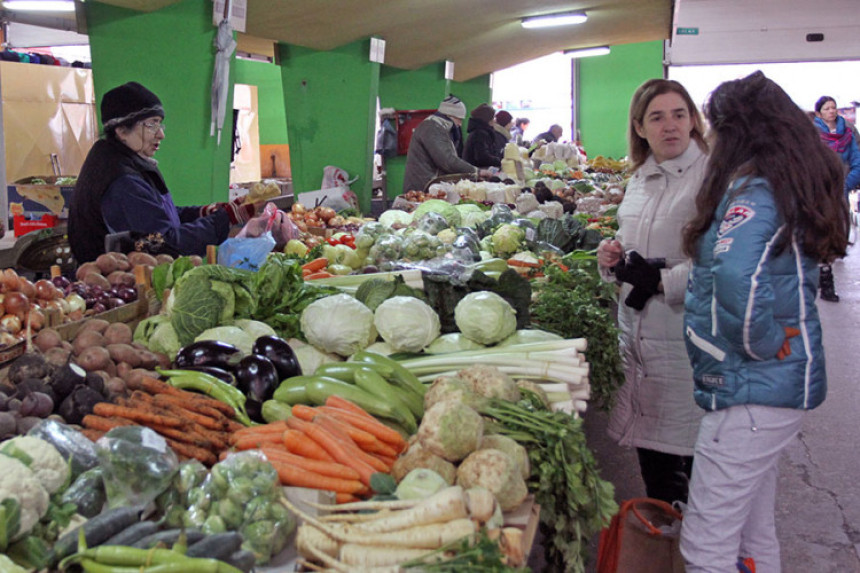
column 153, row 126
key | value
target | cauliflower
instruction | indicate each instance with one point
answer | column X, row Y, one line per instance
column 417, row 457
column 41, row 457
column 511, row 447
column 490, row 382
column 451, row 430
column 446, row 388
column 19, row 483
column 497, row 472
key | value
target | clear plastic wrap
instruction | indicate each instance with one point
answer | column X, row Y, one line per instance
column 78, row 450
column 138, row 465
column 241, row 493
column 421, row 246
column 172, row 502
column 387, row 249
column 87, row 492
column 432, row 223
column 466, row 247
column 369, row 233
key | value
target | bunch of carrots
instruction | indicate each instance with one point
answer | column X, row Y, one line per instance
column 335, row 447
column 195, row 426
column 316, row 269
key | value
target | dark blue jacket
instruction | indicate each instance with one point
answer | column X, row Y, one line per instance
column 742, row 292
column 851, row 155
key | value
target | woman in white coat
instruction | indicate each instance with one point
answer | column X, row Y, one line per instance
column 654, row 409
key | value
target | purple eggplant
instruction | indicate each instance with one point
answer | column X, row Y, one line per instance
column 257, row 378
column 208, row 353
column 280, row 353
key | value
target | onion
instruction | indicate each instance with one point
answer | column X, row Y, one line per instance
column 36, row 318
column 61, row 282
column 45, row 289
column 76, row 302
column 128, row 294
column 9, row 279
column 11, row 323
column 26, row 287
column 114, row 302
column 16, row 303
column 99, row 307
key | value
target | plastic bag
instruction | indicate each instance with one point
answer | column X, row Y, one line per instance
column 386, row 249
column 87, row 493
column 173, row 502
column 241, row 494
column 432, row 223
column 75, row 448
column 137, row 463
column 249, row 249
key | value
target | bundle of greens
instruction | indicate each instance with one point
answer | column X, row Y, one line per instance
column 576, row 304
column 575, row 502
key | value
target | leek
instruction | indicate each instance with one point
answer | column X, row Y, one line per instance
column 350, row 283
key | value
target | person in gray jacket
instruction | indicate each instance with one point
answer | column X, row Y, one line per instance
column 770, row 209
column 431, row 149
column 654, row 410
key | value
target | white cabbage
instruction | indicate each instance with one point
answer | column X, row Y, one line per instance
column 485, row 317
column 338, row 324
column 406, row 323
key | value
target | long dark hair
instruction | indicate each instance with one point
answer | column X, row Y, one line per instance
column 761, row 132
column 638, row 147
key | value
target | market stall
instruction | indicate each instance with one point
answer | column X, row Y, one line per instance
column 405, row 392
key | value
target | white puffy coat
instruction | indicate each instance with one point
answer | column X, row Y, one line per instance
column 655, row 408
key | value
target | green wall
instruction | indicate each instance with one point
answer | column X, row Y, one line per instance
column 330, row 101
column 606, row 84
column 134, row 46
column 423, row 88
column 272, row 117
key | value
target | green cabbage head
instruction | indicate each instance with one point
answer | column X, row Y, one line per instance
column 485, row 317
column 507, row 240
column 338, row 324
column 406, row 323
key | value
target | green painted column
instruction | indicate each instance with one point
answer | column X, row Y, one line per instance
column 170, row 52
column 423, row 88
column 330, row 101
column 272, row 118
column 606, row 84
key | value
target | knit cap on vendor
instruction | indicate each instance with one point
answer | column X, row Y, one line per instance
column 484, row 112
column 452, row 106
column 127, row 104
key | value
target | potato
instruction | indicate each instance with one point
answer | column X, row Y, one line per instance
column 95, row 358
column 106, row 264
column 148, row 359
column 46, row 339
column 121, row 278
column 118, row 333
column 163, row 258
column 137, row 258
column 132, row 378
column 124, row 353
column 57, row 355
column 97, row 324
column 122, row 263
column 96, row 279
column 86, row 269
column 116, row 388
column 87, row 339
column 122, row 369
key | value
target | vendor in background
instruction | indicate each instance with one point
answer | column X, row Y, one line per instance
column 481, row 147
column 120, row 187
column 519, row 129
column 654, row 410
column 552, row 135
column 502, row 124
column 432, row 148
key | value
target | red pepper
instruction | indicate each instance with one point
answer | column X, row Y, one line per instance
column 348, row 240
column 331, row 241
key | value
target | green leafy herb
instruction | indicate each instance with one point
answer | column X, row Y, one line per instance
column 481, row 555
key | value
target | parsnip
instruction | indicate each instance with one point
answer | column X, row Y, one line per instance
column 308, row 536
column 378, row 555
column 481, row 504
column 365, row 505
column 444, row 506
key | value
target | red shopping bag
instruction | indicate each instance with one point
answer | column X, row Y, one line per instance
column 643, row 537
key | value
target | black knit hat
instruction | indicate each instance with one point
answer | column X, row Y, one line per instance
column 129, row 103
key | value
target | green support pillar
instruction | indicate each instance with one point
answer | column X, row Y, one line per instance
column 330, row 101
column 127, row 45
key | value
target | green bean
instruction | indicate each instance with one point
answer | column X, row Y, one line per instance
column 212, row 387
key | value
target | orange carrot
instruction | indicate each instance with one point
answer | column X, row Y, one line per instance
column 101, row 424
column 332, row 469
column 137, row 414
column 341, row 451
column 295, row 476
column 360, row 437
column 380, row 449
column 343, row 436
column 340, row 497
column 368, row 424
column 252, row 442
column 317, row 264
column 304, row 412
column 387, row 460
column 319, row 275
column 298, row 443
column 336, row 401
column 274, row 428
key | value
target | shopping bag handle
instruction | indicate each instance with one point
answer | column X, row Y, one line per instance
column 633, row 505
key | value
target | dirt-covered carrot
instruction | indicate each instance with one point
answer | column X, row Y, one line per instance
column 290, row 474
column 136, row 414
column 333, row 469
column 341, row 451
column 103, row 424
column 368, row 424
column 190, row 451
column 298, row 443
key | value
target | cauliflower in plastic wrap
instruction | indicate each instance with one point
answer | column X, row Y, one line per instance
column 451, row 430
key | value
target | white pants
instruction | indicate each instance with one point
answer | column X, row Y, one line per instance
column 733, row 489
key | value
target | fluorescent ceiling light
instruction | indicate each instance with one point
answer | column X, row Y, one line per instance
column 40, row 5
column 585, row 52
column 561, row 19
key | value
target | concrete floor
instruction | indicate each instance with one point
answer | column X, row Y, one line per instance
column 818, row 504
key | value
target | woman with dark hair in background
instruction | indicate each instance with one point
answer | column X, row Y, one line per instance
column 838, row 134
column 654, row 410
column 770, row 209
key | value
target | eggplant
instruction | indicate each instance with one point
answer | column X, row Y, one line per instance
column 218, row 373
column 207, row 353
column 280, row 353
column 257, row 378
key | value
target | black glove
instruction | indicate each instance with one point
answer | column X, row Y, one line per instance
column 643, row 274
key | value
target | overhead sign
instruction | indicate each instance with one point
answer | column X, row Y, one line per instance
column 687, row 31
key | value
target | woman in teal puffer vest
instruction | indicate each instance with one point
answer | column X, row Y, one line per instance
column 769, row 210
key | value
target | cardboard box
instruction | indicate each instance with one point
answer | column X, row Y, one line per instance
column 29, row 197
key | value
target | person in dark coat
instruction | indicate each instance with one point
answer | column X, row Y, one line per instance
column 502, row 125
column 481, row 149
column 120, row 187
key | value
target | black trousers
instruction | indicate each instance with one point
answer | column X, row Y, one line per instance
column 666, row 476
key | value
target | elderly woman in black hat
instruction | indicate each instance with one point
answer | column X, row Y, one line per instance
column 121, row 189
